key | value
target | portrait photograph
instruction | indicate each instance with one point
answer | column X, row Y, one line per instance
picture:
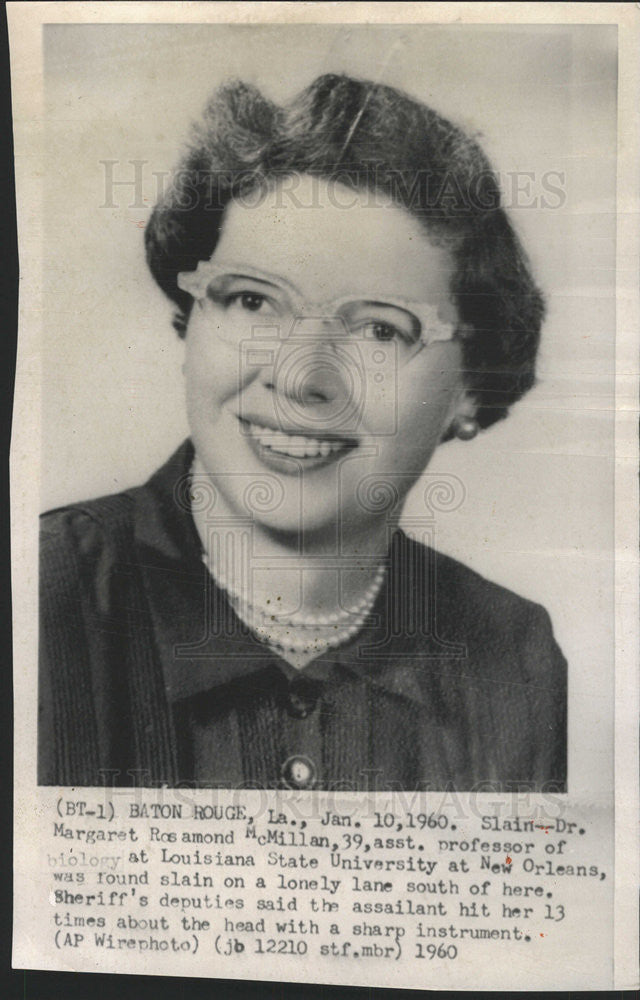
column 324, row 545
column 326, row 360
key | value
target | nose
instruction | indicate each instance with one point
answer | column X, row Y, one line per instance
column 307, row 368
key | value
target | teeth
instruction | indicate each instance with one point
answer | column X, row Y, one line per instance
column 293, row 444
column 297, row 448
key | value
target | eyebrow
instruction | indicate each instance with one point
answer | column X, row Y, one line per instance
column 257, row 274
column 266, row 277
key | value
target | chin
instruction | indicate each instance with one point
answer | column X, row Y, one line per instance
column 291, row 524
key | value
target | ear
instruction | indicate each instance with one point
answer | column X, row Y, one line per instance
column 463, row 406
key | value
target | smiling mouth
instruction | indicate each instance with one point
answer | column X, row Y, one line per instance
column 295, row 445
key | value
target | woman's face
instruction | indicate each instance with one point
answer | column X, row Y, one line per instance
column 299, row 424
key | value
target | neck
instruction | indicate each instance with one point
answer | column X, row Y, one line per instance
column 310, row 573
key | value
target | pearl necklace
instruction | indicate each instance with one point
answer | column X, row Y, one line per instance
column 313, row 632
column 303, row 634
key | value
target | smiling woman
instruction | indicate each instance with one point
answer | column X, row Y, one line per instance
column 337, row 374
column 351, row 295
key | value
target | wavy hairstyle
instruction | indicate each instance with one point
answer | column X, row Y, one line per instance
column 368, row 137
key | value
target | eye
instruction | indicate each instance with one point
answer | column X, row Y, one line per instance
column 239, row 296
column 382, row 322
column 383, row 331
column 251, row 301
column 248, row 300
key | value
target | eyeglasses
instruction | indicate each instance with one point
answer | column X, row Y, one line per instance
column 242, row 303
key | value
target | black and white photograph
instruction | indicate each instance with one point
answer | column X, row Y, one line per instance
column 351, row 295
column 319, row 378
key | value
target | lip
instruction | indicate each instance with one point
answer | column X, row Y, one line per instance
column 290, row 464
column 309, row 432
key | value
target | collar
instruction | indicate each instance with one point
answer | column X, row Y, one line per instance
column 202, row 644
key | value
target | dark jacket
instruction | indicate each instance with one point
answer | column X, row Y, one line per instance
column 147, row 677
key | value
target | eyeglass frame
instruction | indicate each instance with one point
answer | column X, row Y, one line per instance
column 196, row 284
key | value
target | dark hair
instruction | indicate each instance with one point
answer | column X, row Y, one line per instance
column 366, row 136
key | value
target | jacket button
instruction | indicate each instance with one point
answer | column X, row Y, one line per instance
column 298, row 772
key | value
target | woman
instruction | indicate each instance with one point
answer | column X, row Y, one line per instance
column 351, row 294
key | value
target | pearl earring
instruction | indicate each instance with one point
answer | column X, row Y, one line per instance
column 465, row 428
